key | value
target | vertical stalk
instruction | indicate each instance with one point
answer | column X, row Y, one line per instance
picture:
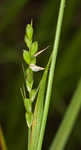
column 51, row 73
column 29, row 134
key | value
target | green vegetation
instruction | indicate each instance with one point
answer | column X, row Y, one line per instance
column 51, row 94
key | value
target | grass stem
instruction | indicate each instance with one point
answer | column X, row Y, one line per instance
column 51, row 73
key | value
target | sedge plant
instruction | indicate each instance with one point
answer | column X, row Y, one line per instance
column 29, row 57
column 37, row 99
column 36, row 120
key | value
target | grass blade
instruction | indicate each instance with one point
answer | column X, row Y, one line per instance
column 51, row 74
column 68, row 122
column 36, row 125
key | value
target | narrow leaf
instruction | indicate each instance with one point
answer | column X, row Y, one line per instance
column 38, row 112
column 51, row 73
column 67, row 124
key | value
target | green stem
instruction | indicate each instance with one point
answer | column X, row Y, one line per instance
column 29, row 134
column 51, row 73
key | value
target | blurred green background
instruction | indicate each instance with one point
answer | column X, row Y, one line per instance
column 14, row 15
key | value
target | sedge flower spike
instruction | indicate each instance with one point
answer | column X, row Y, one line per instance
column 29, row 57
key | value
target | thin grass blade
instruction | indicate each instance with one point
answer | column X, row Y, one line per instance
column 38, row 112
column 51, row 73
column 67, row 124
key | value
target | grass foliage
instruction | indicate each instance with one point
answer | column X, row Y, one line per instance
column 66, row 96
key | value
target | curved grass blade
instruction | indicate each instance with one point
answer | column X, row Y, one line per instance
column 65, row 129
column 38, row 112
column 51, row 73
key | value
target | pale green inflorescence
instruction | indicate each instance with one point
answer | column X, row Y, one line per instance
column 30, row 59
